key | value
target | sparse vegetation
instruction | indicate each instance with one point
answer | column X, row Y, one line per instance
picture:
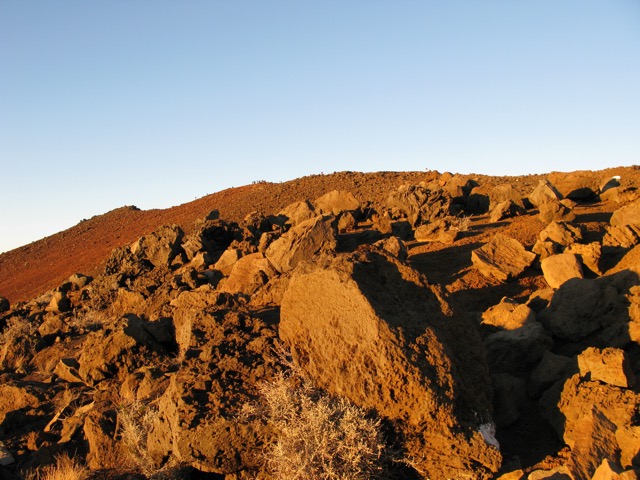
column 16, row 344
column 65, row 468
column 135, row 421
column 461, row 223
column 319, row 436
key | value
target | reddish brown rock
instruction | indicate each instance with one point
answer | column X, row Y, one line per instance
column 502, row 258
column 609, row 365
column 557, row 269
column 302, row 242
column 347, row 318
column 336, row 202
column 627, row 215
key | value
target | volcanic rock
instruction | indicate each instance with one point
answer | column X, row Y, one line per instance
column 419, row 204
column 502, row 258
column 302, row 242
column 347, row 318
column 248, row 274
column 554, row 210
column 336, row 202
column 580, row 185
column 508, row 315
column 544, row 192
column 557, row 269
column 627, row 215
column 609, row 365
column 298, row 212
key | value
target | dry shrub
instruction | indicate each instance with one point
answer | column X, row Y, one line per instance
column 318, row 436
column 135, row 421
column 65, row 468
column 461, row 224
column 17, row 344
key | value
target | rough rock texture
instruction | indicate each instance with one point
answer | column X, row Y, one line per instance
column 581, row 307
column 554, row 210
column 502, row 258
column 609, row 365
column 336, row 202
column 302, row 242
column 576, row 185
column 508, row 315
column 420, row 204
column 544, row 192
column 627, row 215
column 557, row 269
column 347, row 318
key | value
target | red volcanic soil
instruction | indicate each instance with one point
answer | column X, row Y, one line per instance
column 35, row 268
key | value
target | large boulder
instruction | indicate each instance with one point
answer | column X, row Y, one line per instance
column 502, row 258
column 553, row 209
column 297, row 212
column 302, row 242
column 369, row 328
column 336, row 202
column 544, row 192
column 420, row 204
column 159, row 247
column 248, row 275
column 587, row 415
column 561, row 233
column 627, row 215
column 608, row 365
column 579, row 185
column 557, row 269
column 517, row 351
column 581, row 307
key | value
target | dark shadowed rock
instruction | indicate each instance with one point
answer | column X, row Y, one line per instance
column 347, row 318
column 581, row 307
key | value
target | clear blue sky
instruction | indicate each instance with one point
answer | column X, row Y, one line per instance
column 155, row 103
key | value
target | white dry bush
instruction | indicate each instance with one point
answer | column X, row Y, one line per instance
column 65, row 468
column 135, row 420
column 319, row 436
column 461, row 223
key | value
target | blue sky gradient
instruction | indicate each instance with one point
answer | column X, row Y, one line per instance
column 155, row 103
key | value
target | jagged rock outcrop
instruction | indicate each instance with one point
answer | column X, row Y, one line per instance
column 502, row 258
column 302, row 242
column 347, row 318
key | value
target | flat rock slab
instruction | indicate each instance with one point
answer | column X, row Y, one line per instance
column 502, row 258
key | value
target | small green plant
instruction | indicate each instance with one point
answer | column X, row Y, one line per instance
column 319, row 436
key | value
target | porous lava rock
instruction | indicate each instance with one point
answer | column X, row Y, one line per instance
column 348, row 318
column 302, row 242
column 502, row 258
